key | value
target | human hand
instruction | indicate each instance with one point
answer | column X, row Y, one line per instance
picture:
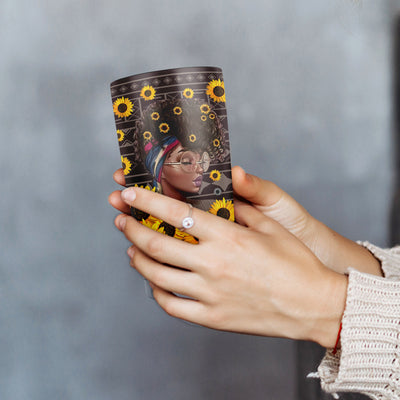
column 257, row 278
column 334, row 250
column 115, row 197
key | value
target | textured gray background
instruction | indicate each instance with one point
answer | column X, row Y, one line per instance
column 309, row 104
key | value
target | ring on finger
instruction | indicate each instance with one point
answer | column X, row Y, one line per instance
column 188, row 221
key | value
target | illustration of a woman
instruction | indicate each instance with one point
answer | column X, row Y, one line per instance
column 178, row 139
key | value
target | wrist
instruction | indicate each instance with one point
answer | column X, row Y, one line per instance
column 328, row 325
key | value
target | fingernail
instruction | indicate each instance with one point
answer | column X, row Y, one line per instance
column 121, row 222
column 128, row 195
column 131, row 252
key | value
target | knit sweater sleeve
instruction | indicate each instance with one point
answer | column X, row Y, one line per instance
column 369, row 359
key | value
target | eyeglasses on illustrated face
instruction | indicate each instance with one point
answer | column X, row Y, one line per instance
column 190, row 160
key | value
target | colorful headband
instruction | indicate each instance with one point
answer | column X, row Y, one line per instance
column 156, row 156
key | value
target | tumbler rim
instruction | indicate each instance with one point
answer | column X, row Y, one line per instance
column 165, row 72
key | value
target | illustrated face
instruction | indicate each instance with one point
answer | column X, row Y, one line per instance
column 186, row 176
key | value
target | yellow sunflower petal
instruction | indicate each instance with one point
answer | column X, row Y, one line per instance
column 177, row 110
column 148, row 92
column 188, row 93
column 126, row 165
column 147, row 187
column 121, row 135
column 164, row 127
column 205, row 108
column 147, row 135
column 223, row 208
column 153, row 223
column 215, row 175
column 185, row 237
column 122, row 107
column 216, row 90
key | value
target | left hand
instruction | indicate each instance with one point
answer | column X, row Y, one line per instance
column 257, row 278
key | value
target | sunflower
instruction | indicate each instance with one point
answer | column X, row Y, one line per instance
column 147, row 187
column 153, row 223
column 188, row 93
column 223, row 209
column 147, row 135
column 155, row 116
column 177, row 110
column 148, row 92
column 122, row 107
column 190, row 239
column 203, row 118
column 161, row 226
column 120, row 135
column 185, row 237
column 139, row 214
column 126, row 165
column 215, row 175
column 216, row 143
column 216, row 90
column 163, row 127
column 192, row 138
column 168, row 229
column 205, row 108
column 211, row 116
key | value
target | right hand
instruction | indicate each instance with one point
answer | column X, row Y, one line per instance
column 333, row 250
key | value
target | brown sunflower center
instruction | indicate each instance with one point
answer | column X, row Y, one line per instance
column 219, row 91
column 139, row 215
column 122, row 107
column 147, row 93
column 224, row 213
column 168, row 229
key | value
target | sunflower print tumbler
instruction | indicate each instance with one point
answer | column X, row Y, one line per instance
column 172, row 132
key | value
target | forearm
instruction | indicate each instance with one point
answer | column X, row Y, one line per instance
column 340, row 253
column 369, row 359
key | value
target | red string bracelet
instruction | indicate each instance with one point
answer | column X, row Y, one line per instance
column 335, row 349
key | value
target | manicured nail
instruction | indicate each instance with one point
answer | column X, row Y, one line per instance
column 121, row 222
column 128, row 195
column 131, row 252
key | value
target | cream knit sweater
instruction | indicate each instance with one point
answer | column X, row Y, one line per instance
column 369, row 359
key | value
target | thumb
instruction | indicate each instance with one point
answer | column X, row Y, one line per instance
column 271, row 200
column 254, row 189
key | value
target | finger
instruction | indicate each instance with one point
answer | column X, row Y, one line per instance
column 248, row 215
column 116, row 201
column 206, row 226
column 254, row 189
column 186, row 309
column 171, row 279
column 163, row 248
column 119, row 177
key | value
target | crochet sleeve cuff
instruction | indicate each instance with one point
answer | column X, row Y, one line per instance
column 368, row 361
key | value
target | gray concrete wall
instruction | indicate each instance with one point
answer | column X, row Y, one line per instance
column 309, row 104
